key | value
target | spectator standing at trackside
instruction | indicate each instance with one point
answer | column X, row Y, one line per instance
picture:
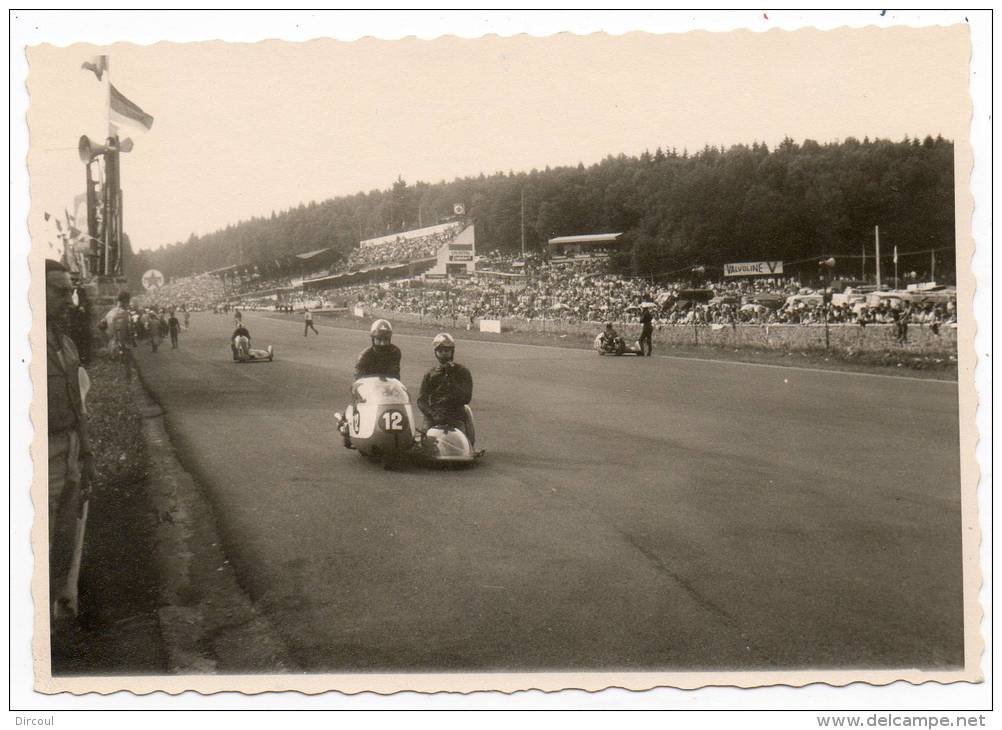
column 238, row 319
column 903, row 320
column 153, row 329
column 174, row 328
column 119, row 321
column 71, row 463
column 80, row 325
column 646, row 331
column 308, row 323
column 187, row 316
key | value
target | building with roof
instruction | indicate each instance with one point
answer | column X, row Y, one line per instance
column 589, row 244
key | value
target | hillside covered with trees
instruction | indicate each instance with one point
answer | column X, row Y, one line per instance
column 745, row 203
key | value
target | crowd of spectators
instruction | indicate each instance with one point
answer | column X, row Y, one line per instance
column 194, row 293
column 585, row 291
column 402, row 249
column 498, row 262
column 260, row 284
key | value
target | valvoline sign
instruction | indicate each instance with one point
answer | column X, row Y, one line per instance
column 754, row 268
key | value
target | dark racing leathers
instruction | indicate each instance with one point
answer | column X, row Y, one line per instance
column 240, row 331
column 646, row 332
column 445, row 392
column 379, row 360
column 611, row 341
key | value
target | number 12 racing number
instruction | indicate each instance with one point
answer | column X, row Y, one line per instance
column 393, row 421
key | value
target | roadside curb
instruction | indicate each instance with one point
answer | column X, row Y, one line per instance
column 208, row 625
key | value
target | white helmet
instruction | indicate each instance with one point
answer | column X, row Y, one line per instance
column 443, row 339
column 444, row 347
column 381, row 329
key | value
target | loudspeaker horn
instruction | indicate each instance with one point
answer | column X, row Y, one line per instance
column 89, row 150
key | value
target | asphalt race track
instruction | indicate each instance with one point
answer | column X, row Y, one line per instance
column 630, row 513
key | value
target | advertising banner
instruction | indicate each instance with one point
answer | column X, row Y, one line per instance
column 490, row 325
column 754, row 268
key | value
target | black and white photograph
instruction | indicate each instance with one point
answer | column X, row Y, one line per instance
column 503, row 362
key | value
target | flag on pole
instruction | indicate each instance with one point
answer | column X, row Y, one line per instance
column 97, row 64
column 895, row 254
column 71, row 225
column 128, row 113
column 80, row 206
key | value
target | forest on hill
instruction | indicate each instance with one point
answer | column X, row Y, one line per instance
column 745, row 203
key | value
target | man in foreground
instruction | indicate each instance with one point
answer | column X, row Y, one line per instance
column 71, row 464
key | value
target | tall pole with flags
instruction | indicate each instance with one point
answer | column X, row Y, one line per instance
column 120, row 112
column 862, row 275
column 895, row 266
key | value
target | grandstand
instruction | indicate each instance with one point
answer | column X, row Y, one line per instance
column 403, row 255
column 563, row 248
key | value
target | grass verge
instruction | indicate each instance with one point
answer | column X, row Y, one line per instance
column 118, row 631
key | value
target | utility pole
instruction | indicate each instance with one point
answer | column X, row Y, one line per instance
column 932, row 270
column 862, row 275
column 523, row 223
column 876, row 234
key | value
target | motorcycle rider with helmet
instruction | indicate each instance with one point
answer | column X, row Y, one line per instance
column 382, row 358
column 447, row 389
column 240, row 331
column 610, row 339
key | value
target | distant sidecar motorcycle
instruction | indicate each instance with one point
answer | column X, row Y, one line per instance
column 243, row 352
column 617, row 346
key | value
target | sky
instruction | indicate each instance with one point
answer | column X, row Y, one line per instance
column 243, row 129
